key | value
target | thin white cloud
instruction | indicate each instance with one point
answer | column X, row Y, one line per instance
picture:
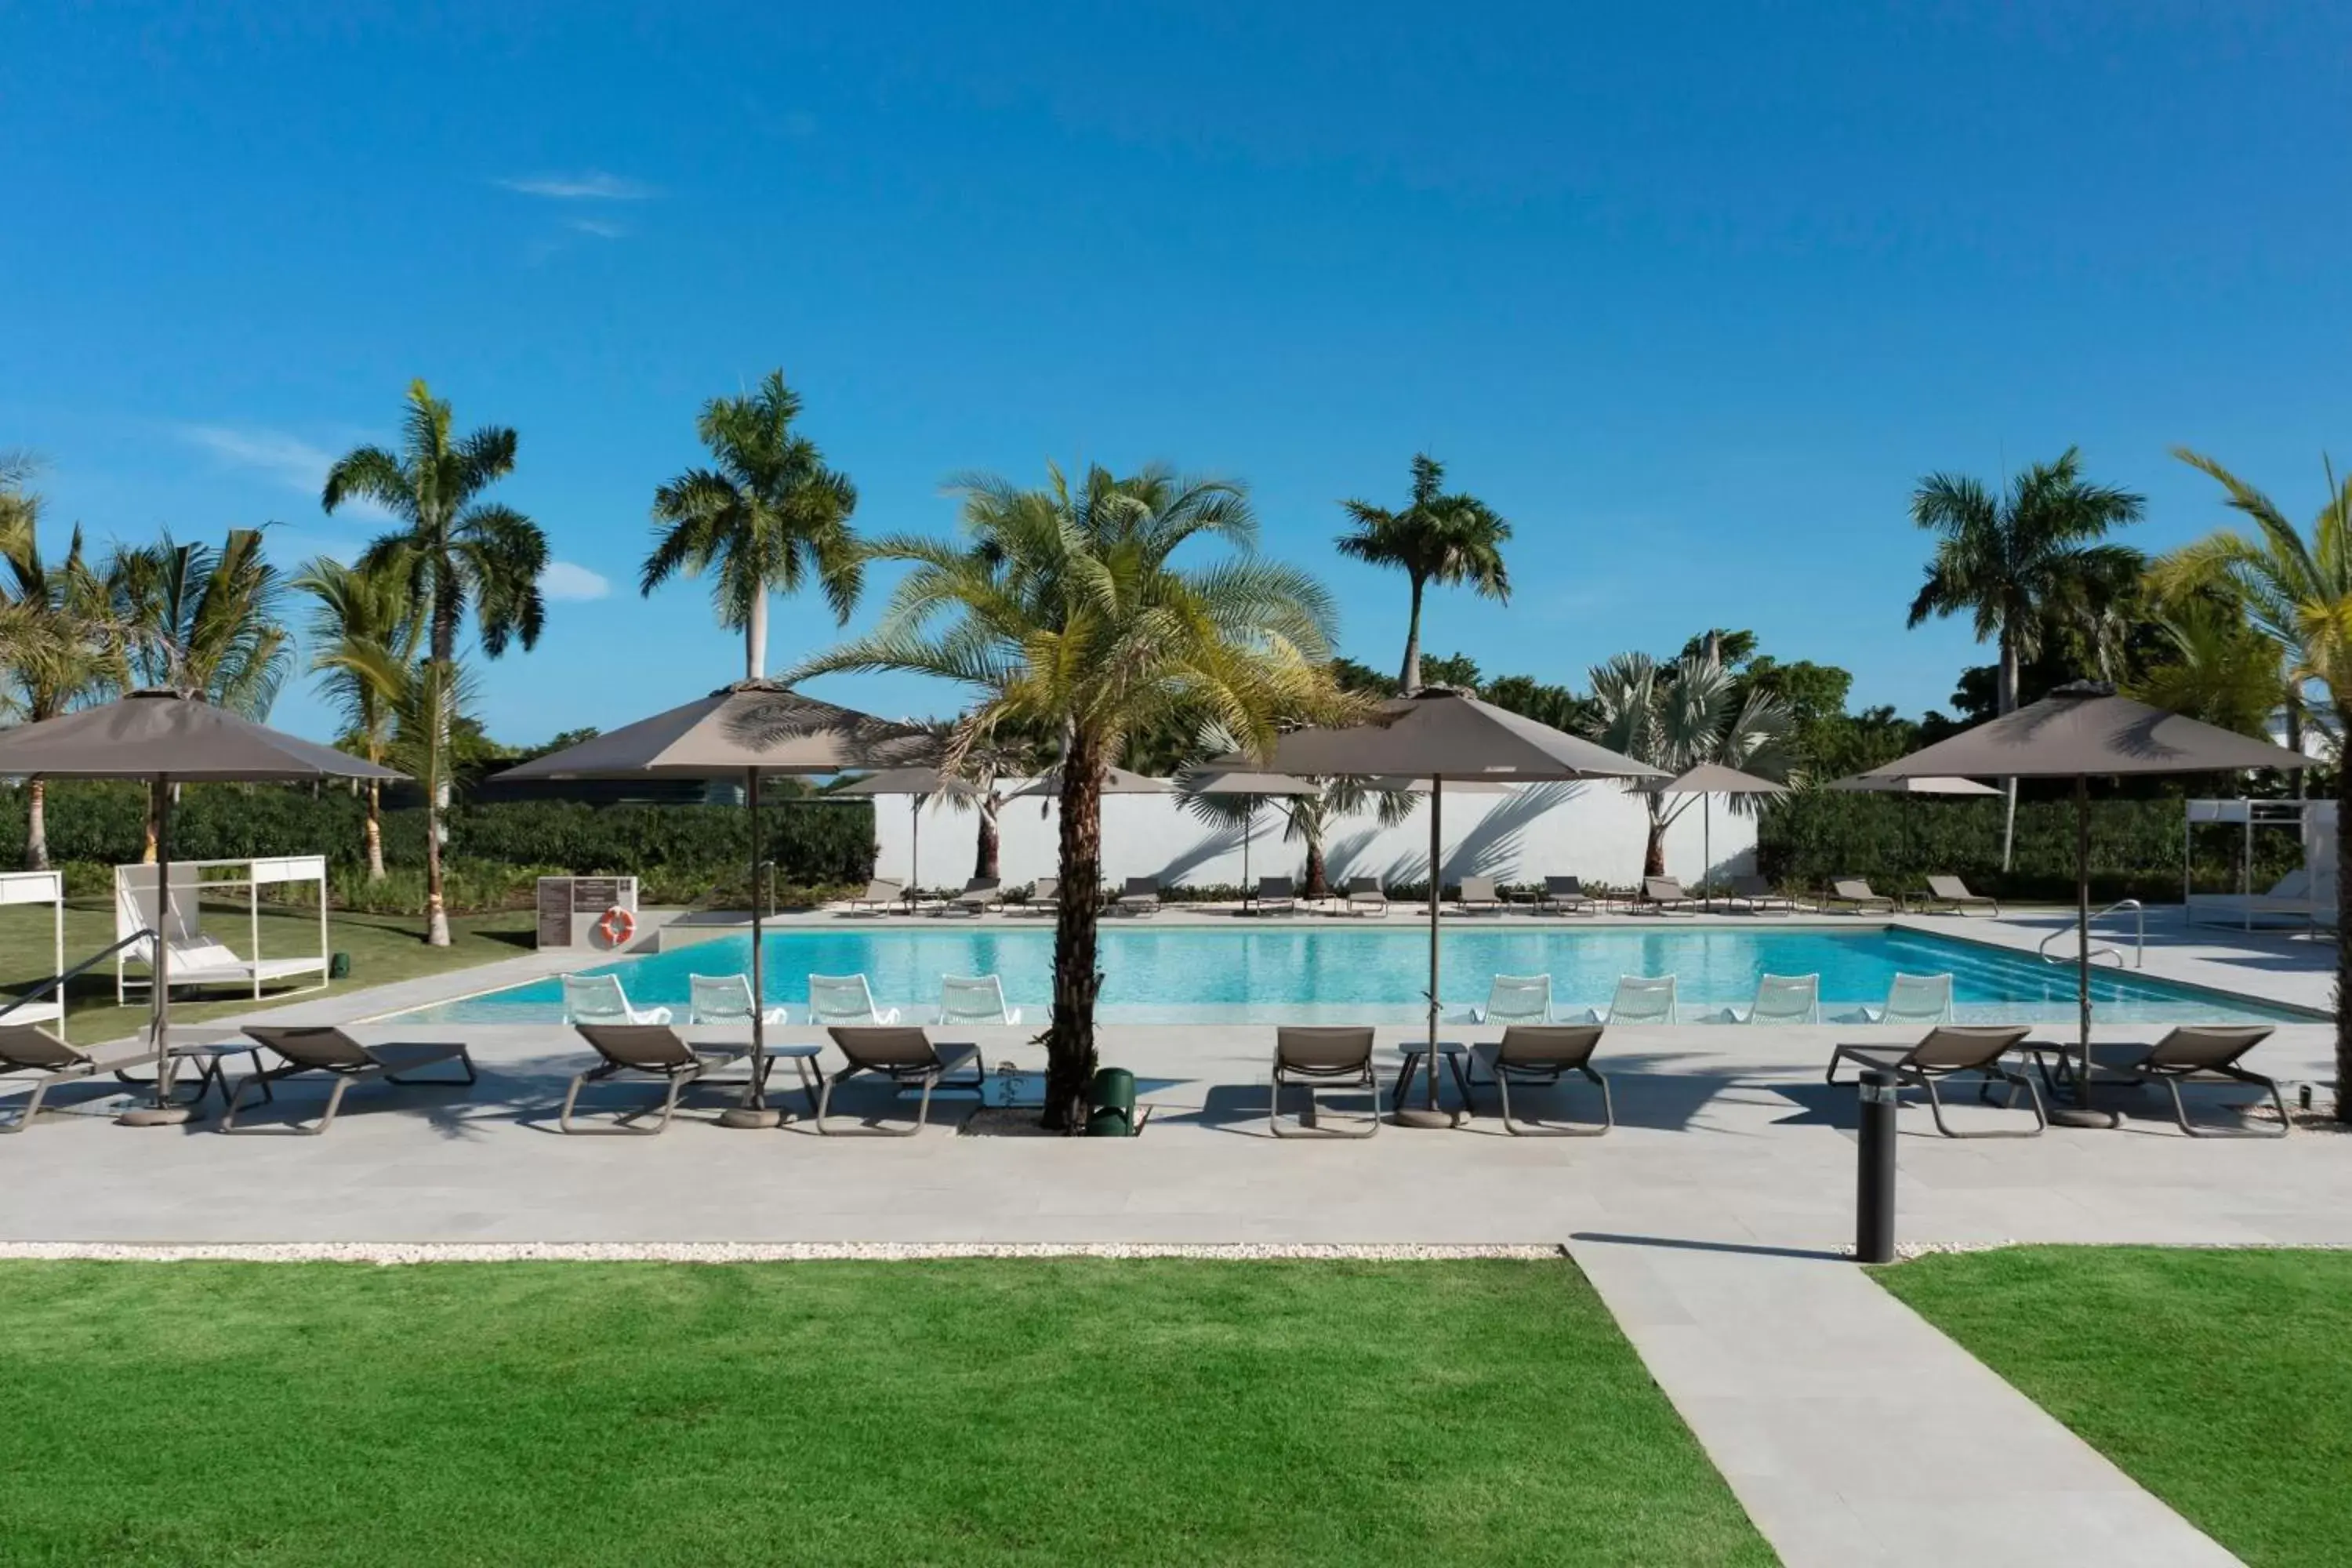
column 289, row 460
column 590, row 185
column 564, row 580
column 601, row 229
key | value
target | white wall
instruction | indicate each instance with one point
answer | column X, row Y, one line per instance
column 1595, row 831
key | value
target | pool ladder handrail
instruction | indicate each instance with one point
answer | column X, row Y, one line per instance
column 2099, row 951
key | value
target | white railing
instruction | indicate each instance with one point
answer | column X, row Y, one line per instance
column 2098, row 952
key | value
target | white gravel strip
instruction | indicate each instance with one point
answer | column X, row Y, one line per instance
column 398, row 1252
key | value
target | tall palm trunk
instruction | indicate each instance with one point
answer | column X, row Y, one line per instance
column 1409, row 677
column 436, row 799
column 985, row 855
column 374, row 830
column 2343, row 949
column 37, row 824
column 1318, row 880
column 755, row 637
column 2004, row 704
column 1653, row 854
column 1070, row 1040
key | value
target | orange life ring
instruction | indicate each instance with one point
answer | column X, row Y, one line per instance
column 617, row 926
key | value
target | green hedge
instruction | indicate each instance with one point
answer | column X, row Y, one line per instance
column 1808, row 838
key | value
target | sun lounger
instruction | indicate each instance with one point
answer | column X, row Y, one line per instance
column 1564, row 895
column 1542, row 1053
column 332, row 1051
column 1919, row 999
column 25, row 1048
column 1639, row 999
column 881, row 896
column 975, row 999
column 1322, row 1057
column 845, row 999
column 1044, row 897
column 599, row 999
column 980, row 895
column 1951, row 894
column 1854, row 895
column 725, row 999
column 1944, row 1051
column 1757, row 894
column 1664, row 896
column 907, row 1058
column 2205, row 1053
column 1784, row 999
column 1273, row 893
column 1139, row 897
column 1365, row 896
column 647, row 1050
column 1477, row 893
column 1516, row 999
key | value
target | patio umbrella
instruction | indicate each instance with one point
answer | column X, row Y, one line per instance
column 2077, row 732
column 1252, row 787
column 1441, row 733
column 168, row 738
column 921, row 783
column 754, row 729
column 1868, row 783
column 1115, row 781
column 1706, row 781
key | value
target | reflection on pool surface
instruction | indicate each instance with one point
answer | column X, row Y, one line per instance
column 1291, row 974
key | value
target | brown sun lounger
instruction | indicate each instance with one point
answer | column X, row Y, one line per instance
column 1947, row 1049
column 25, row 1048
column 881, row 895
column 1666, row 896
column 1273, row 892
column 316, row 1048
column 2202, row 1053
column 1542, row 1053
column 1951, row 894
column 1565, row 894
column 1139, row 897
column 904, row 1055
column 658, row 1051
column 1853, row 894
column 1758, row 895
column 1364, row 895
column 1477, row 893
column 1322, row 1057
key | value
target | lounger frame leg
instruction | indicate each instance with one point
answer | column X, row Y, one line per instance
column 2240, row 1075
column 620, row 1125
column 32, row 1106
column 343, row 1082
column 1518, row 1129
column 877, row 1129
column 1370, row 1084
column 1935, row 1105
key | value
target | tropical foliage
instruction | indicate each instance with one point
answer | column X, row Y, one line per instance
column 205, row 620
column 1677, row 716
column 363, row 635
column 55, row 632
column 1435, row 537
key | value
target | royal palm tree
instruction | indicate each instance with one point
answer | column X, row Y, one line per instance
column 2296, row 589
column 1436, row 538
column 1065, row 609
column 1676, row 716
column 763, row 519
column 364, row 635
column 456, row 552
column 57, row 648
column 2022, row 562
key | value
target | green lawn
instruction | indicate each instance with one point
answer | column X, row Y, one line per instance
column 958, row 1412
column 2221, row 1381
column 383, row 948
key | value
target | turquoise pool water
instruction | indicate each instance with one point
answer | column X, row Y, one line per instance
column 1294, row 974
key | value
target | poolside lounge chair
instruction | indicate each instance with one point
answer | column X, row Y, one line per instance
column 980, row 895
column 1947, row 1049
column 2196, row 1053
column 1854, row 895
column 725, row 999
column 975, row 999
column 881, row 895
column 1365, row 896
column 1564, row 895
column 1915, row 999
column 1757, row 894
column 1784, row 999
column 845, row 999
column 1273, row 892
column 1516, row 999
column 1044, row 897
column 25, row 1048
column 599, row 999
column 1139, row 897
column 1664, row 896
column 1543, row 1054
column 907, row 1058
column 1952, row 894
column 315, row 1049
column 1477, row 893
column 649, row 1050
column 1322, row 1057
column 1639, row 999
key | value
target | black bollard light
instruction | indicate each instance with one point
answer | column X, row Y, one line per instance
column 1874, row 1198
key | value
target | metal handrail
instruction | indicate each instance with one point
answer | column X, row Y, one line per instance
column 56, row 981
column 2139, row 938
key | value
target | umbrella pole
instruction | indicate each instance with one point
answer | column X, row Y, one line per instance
column 163, row 1112
column 1706, row 850
column 2080, row 1113
column 755, row 1110
column 1427, row 1114
column 1249, row 821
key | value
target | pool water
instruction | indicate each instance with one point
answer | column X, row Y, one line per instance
column 1296, row 975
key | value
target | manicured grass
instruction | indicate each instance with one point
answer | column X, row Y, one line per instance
column 2219, row 1380
column 383, row 948
column 956, row 1412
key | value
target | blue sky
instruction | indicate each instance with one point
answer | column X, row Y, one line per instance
column 1692, row 295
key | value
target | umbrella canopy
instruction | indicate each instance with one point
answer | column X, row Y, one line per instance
column 1115, row 781
column 164, row 737
column 1709, row 780
column 918, row 785
column 1259, row 784
column 757, row 730
column 2077, row 731
column 1441, row 733
column 1872, row 783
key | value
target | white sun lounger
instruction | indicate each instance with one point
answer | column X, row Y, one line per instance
column 1784, row 999
column 1921, row 999
column 845, row 999
column 974, row 999
column 1516, row 999
column 725, row 999
column 599, row 999
column 1639, row 999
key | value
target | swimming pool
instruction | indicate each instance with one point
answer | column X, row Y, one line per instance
column 1305, row 973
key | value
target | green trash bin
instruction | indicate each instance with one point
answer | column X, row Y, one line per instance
column 338, row 966
column 1113, row 1102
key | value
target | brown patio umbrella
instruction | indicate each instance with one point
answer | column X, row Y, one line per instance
column 1252, row 787
column 168, row 738
column 1706, row 781
column 1441, row 734
column 754, row 729
column 2079, row 731
column 1115, row 781
column 918, row 784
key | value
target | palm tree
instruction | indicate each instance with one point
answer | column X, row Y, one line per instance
column 769, row 514
column 363, row 633
column 1676, row 716
column 1437, row 538
column 57, row 648
column 1067, row 610
column 2020, row 562
column 2296, row 591
column 455, row 553
column 205, row 620
column 1307, row 819
column 2214, row 666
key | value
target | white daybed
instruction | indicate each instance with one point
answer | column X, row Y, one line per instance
column 39, row 887
column 198, row 958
